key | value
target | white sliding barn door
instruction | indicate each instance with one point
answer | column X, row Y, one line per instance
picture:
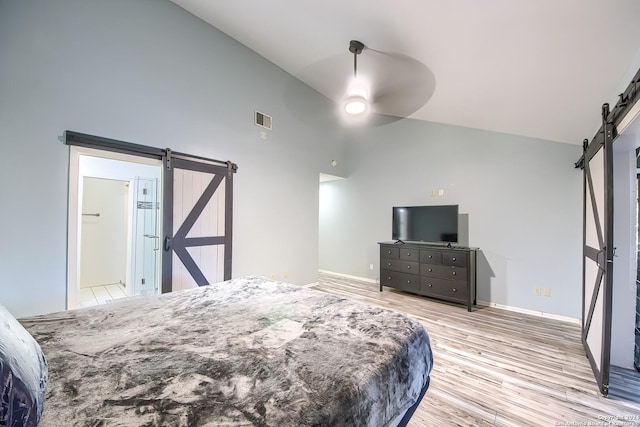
column 598, row 256
column 197, row 241
column 197, row 212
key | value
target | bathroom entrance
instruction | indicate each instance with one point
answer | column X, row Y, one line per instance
column 118, row 228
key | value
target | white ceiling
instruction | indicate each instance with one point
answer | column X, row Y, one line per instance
column 539, row 68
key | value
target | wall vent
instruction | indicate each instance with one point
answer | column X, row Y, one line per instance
column 263, row 120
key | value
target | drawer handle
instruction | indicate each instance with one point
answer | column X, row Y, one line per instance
column 409, row 281
column 454, row 273
column 454, row 258
column 430, row 270
column 389, row 278
column 454, row 290
column 389, row 263
column 430, row 256
column 408, row 267
column 430, row 285
column 408, row 253
column 389, row 252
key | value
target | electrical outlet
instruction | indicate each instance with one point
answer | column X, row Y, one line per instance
column 547, row 292
column 286, row 274
column 370, row 266
column 537, row 291
column 433, row 193
column 441, row 192
column 273, row 277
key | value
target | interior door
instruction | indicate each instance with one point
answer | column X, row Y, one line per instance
column 197, row 225
column 598, row 252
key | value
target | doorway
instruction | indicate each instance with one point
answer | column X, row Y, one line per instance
column 624, row 381
column 114, row 226
column 103, row 240
column 636, row 349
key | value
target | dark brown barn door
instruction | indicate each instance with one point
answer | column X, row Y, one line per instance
column 598, row 253
column 197, row 222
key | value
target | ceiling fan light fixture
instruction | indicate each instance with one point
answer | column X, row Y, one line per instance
column 355, row 105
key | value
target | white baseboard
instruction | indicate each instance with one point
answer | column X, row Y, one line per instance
column 531, row 312
column 482, row 303
column 348, row 276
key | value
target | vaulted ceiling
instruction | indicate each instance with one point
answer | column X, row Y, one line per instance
column 539, row 68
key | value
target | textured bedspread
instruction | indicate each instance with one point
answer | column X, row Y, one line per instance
column 244, row 352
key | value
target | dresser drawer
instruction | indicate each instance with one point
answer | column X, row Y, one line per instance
column 443, row 272
column 389, row 252
column 401, row 266
column 441, row 288
column 454, row 259
column 402, row 281
column 410, row 254
column 431, row 257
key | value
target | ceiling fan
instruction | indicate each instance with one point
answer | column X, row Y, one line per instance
column 390, row 85
column 394, row 86
column 387, row 83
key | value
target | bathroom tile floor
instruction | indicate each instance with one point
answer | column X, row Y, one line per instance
column 96, row 295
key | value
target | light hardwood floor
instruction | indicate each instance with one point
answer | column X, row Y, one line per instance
column 496, row 367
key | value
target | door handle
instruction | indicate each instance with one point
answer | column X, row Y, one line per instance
column 167, row 243
column 156, row 238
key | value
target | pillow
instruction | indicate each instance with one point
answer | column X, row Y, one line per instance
column 23, row 374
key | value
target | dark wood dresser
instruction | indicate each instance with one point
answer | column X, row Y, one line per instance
column 442, row 272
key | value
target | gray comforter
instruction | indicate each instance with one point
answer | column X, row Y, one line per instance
column 243, row 352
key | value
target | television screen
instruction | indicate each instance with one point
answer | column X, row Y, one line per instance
column 426, row 223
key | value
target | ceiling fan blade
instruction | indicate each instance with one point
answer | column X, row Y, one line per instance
column 401, row 85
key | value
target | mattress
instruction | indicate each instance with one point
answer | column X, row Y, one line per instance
column 243, row 352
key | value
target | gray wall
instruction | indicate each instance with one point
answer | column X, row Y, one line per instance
column 520, row 202
column 148, row 72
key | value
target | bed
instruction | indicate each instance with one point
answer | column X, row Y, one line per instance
column 248, row 351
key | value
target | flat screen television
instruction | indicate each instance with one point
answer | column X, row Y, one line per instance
column 437, row 224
